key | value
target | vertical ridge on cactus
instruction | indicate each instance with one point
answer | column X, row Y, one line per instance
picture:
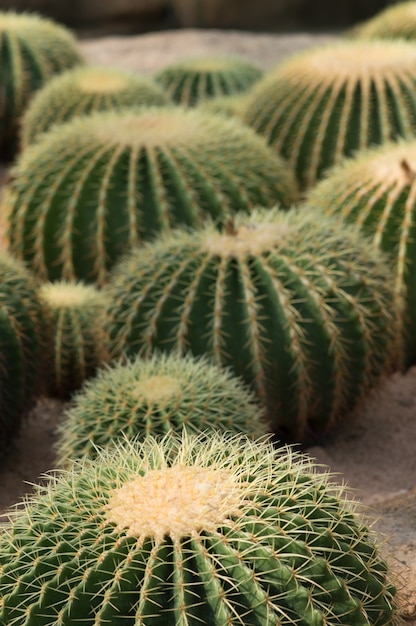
column 187, row 530
column 393, row 22
column 95, row 187
column 78, row 340
column 21, row 345
column 83, row 91
column 192, row 81
column 32, row 50
column 322, row 105
column 299, row 308
column 377, row 191
column 163, row 394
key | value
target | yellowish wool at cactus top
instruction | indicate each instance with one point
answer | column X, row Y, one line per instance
column 157, row 388
column 247, row 239
column 209, row 65
column 67, row 294
column 176, row 502
column 359, row 59
column 14, row 21
column 396, row 165
column 147, row 129
column 101, row 82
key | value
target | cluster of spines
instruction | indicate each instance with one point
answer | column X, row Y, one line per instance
column 99, row 185
column 320, row 106
column 300, row 309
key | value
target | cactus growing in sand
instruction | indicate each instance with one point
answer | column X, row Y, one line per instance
column 377, row 190
column 77, row 336
column 86, row 90
column 193, row 530
column 165, row 393
column 298, row 307
column 33, row 49
column 21, row 345
column 192, row 81
column 101, row 184
column 324, row 104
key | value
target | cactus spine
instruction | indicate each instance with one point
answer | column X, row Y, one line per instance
column 299, row 308
column 377, row 190
column 32, row 50
column 21, row 346
column 325, row 104
column 99, row 185
column 77, row 335
column 195, row 80
column 182, row 531
column 166, row 393
column 83, row 91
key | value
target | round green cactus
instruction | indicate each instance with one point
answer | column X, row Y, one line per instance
column 78, row 340
column 193, row 530
column 85, row 90
column 191, row 81
column 21, row 345
column 394, row 22
column 165, row 393
column 33, row 49
column 377, row 190
column 298, row 307
column 100, row 184
column 324, row 104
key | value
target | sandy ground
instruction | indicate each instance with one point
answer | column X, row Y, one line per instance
column 373, row 451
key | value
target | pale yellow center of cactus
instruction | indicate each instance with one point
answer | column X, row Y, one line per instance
column 147, row 129
column 250, row 239
column 101, row 82
column 67, row 295
column 361, row 59
column 175, row 502
column 209, row 65
column 396, row 165
column 157, row 388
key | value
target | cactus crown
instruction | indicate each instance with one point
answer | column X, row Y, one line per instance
column 320, row 106
column 193, row 529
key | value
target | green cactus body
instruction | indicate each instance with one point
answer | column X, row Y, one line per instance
column 230, row 106
column 32, row 50
column 394, row 22
column 78, row 340
column 377, row 191
column 298, row 307
column 320, row 106
column 195, row 530
column 21, row 345
column 194, row 80
column 83, row 91
column 96, row 186
column 163, row 394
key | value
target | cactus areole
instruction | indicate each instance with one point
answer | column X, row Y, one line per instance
column 189, row 530
column 299, row 308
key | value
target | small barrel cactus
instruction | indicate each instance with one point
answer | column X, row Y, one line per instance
column 165, row 393
column 21, row 345
column 394, row 22
column 324, row 104
column 377, row 190
column 298, row 307
column 78, row 339
column 191, row 81
column 83, row 91
column 100, row 184
column 33, row 49
column 191, row 530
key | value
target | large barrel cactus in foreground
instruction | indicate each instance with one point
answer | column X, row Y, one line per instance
column 98, row 185
column 32, row 50
column 188, row 531
column 21, row 345
column 191, row 81
column 85, row 90
column 300, row 308
column 377, row 190
column 324, row 104
column 165, row 393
